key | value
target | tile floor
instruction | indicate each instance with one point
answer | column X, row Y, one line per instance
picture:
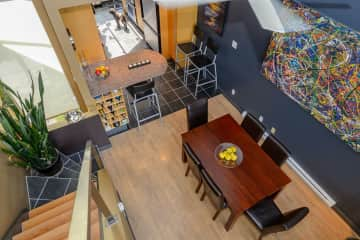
column 173, row 94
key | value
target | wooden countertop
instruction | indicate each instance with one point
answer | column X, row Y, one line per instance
column 121, row 76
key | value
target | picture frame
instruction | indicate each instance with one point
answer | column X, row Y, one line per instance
column 215, row 16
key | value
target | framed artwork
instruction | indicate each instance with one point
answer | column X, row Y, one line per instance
column 320, row 70
column 215, row 15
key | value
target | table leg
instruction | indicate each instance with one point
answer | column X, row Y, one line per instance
column 232, row 219
column 183, row 155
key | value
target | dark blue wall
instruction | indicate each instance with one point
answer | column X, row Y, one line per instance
column 334, row 165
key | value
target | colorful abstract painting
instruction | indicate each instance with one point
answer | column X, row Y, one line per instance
column 320, row 70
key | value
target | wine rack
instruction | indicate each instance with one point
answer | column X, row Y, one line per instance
column 112, row 109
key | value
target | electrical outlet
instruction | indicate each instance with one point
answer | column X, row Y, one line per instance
column 261, row 118
column 273, row 131
column 234, row 44
column 233, row 92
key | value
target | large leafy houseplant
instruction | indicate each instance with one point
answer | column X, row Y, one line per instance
column 23, row 130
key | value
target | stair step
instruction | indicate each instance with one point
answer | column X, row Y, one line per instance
column 46, row 226
column 62, row 231
column 51, row 205
column 52, row 213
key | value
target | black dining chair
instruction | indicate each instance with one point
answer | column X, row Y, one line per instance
column 144, row 91
column 213, row 193
column 194, row 164
column 197, row 113
column 276, row 150
column 269, row 219
column 253, row 127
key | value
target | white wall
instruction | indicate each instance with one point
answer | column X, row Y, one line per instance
column 24, row 46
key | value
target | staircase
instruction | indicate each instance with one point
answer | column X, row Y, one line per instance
column 92, row 212
column 52, row 221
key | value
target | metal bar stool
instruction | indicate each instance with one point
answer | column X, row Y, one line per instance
column 144, row 91
column 188, row 49
column 205, row 63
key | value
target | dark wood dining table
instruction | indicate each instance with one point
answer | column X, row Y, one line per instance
column 256, row 178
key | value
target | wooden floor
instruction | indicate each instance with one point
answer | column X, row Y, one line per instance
column 146, row 168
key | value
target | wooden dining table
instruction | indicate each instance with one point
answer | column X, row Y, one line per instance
column 256, row 178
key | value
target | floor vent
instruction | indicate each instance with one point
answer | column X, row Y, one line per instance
column 311, row 182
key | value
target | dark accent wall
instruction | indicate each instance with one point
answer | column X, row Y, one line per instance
column 72, row 138
column 334, row 165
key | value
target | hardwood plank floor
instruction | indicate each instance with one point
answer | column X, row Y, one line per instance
column 146, row 168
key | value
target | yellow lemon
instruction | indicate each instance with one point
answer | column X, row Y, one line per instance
column 221, row 155
column 234, row 157
column 227, row 157
column 233, row 149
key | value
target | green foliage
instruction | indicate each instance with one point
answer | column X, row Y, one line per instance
column 23, row 133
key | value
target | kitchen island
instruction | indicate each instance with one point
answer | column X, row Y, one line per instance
column 109, row 92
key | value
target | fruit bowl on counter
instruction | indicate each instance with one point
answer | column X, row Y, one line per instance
column 102, row 72
column 228, row 155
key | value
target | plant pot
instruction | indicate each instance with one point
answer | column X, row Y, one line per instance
column 52, row 169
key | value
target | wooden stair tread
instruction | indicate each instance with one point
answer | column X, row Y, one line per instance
column 62, row 231
column 46, row 207
column 52, row 213
column 43, row 227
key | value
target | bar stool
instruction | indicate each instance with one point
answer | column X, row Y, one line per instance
column 203, row 63
column 189, row 49
column 141, row 92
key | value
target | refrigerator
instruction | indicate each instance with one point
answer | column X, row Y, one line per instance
column 150, row 12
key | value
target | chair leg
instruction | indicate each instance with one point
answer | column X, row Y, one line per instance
column 216, row 214
column 216, row 78
column 197, row 82
column 198, row 186
column 187, row 171
column 158, row 104
column 136, row 114
column 203, row 196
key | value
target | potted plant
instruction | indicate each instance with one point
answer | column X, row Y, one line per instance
column 23, row 131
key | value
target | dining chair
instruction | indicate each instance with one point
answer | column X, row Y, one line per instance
column 204, row 63
column 276, row 150
column 140, row 92
column 194, row 165
column 189, row 49
column 213, row 193
column 269, row 219
column 253, row 127
column 197, row 113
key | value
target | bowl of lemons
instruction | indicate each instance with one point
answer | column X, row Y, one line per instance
column 228, row 155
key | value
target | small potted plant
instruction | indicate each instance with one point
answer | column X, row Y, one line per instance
column 24, row 133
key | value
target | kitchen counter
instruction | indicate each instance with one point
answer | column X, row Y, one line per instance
column 121, row 76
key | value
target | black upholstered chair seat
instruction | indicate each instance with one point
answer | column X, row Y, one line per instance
column 269, row 219
column 188, row 47
column 264, row 214
column 201, row 61
column 140, row 92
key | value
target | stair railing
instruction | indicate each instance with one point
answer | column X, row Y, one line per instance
column 86, row 190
